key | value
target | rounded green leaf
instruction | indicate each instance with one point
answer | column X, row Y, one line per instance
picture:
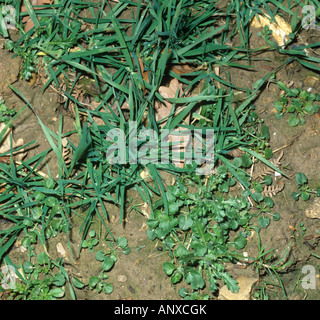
column 36, row 213
column 258, row 197
column 107, row 264
column 57, row 292
column 151, row 234
column 237, row 162
column 43, row 258
column 85, row 244
column 301, row 178
column 267, row 180
column 176, row 277
column 59, row 279
column 92, row 234
column 27, row 267
column 126, row 251
column 240, row 242
column 295, row 195
column 263, row 222
column 26, row 242
column 100, row 255
column 49, row 183
column 93, row 281
column 181, row 251
column 233, row 224
column 293, row 92
column 50, row 201
column 282, row 86
column 302, row 121
column 185, row 223
column 168, row 268
column 258, row 187
column 276, row 216
column 269, row 202
column 28, row 222
column 122, row 242
column 268, row 153
column 77, row 283
column 175, row 206
column 246, row 160
column 38, row 196
column 161, row 233
column 305, row 196
column 278, row 105
column 291, row 109
column 107, row 288
column 152, row 223
column 265, row 132
column 183, row 292
column 293, row 121
column 194, row 278
column 304, row 95
column 309, row 108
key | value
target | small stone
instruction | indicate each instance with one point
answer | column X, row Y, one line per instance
column 245, row 286
column 61, row 251
column 311, row 81
column 313, row 212
column 122, row 278
column 146, row 210
column 131, row 289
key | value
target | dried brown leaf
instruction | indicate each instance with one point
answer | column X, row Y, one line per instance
column 270, row 191
column 65, row 151
column 5, row 144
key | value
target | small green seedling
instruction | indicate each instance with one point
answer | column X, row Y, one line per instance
column 5, row 113
column 98, row 282
column 264, row 206
column 304, row 190
column 43, row 279
column 91, row 241
column 297, row 103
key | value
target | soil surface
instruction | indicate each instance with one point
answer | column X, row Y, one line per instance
column 139, row 275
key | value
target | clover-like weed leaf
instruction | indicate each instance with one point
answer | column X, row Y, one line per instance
column 301, row 178
column 107, row 263
column 240, row 242
column 168, row 268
